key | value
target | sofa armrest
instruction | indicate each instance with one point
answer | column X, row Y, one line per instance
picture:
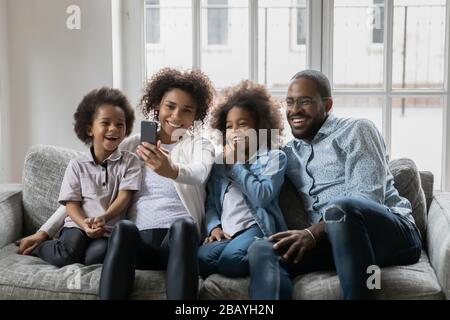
column 11, row 213
column 438, row 239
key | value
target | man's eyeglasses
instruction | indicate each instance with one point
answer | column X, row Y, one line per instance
column 302, row 101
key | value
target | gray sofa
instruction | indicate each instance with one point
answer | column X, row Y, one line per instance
column 23, row 208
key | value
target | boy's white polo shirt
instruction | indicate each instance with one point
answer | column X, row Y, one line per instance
column 96, row 185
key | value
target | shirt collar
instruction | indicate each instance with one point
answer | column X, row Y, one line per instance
column 325, row 130
column 88, row 156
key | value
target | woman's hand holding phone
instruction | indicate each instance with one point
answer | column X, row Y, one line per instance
column 157, row 159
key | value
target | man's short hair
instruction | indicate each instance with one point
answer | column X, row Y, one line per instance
column 322, row 82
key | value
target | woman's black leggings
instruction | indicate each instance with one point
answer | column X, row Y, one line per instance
column 173, row 249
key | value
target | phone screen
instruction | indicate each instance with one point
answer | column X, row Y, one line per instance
column 149, row 131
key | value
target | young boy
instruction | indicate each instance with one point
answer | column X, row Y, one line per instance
column 98, row 185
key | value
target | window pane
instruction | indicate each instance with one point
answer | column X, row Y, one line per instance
column 417, row 133
column 153, row 21
column 217, row 22
column 358, row 44
column 282, row 41
column 359, row 107
column 419, row 41
column 225, row 46
column 174, row 48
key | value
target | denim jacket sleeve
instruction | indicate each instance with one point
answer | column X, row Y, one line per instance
column 261, row 187
column 212, row 215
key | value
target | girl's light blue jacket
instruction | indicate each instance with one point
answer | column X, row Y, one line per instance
column 260, row 181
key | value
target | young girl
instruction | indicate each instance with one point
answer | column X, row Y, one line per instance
column 168, row 211
column 97, row 186
column 242, row 202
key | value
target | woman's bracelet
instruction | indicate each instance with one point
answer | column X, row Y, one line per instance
column 312, row 236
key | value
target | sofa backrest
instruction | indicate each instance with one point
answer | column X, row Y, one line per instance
column 427, row 182
column 45, row 166
column 42, row 177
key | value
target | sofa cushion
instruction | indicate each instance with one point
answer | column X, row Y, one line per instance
column 427, row 180
column 42, row 177
column 416, row 281
column 292, row 207
column 407, row 181
column 27, row 277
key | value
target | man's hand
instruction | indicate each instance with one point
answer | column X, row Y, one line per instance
column 28, row 244
column 217, row 234
column 295, row 242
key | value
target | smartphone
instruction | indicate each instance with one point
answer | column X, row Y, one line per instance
column 149, row 131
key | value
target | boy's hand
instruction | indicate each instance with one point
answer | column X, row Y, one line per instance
column 99, row 222
column 28, row 244
column 91, row 231
column 89, row 222
column 217, row 234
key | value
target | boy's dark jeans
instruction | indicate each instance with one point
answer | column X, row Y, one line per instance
column 72, row 246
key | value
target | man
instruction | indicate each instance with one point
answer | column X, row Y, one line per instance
column 340, row 169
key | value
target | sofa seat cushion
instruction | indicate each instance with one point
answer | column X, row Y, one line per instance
column 26, row 277
column 416, row 281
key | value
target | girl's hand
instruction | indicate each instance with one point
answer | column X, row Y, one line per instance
column 217, row 234
column 235, row 151
column 157, row 159
column 229, row 154
column 28, row 244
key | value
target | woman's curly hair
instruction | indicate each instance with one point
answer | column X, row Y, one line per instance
column 88, row 107
column 194, row 82
column 255, row 99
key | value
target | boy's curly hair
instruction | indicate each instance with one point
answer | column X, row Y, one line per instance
column 194, row 82
column 255, row 99
column 84, row 116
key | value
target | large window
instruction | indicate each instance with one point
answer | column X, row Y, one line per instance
column 169, row 34
column 264, row 40
column 394, row 78
column 282, row 41
column 224, row 40
column 387, row 59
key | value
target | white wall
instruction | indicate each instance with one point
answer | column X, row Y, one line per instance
column 4, row 88
column 51, row 68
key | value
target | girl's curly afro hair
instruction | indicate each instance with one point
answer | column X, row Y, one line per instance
column 194, row 82
column 255, row 99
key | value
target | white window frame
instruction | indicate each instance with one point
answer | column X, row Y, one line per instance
column 319, row 56
column 387, row 93
column 293, row 16
column 154, row 45
column 205, row 30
